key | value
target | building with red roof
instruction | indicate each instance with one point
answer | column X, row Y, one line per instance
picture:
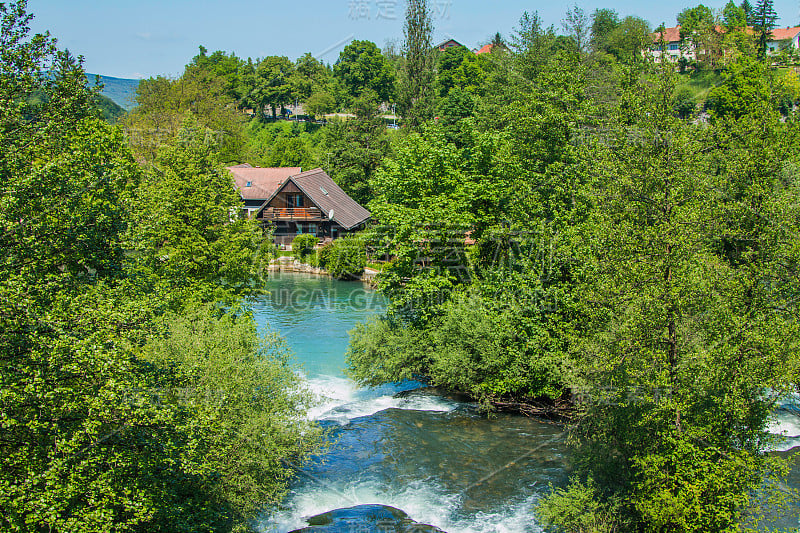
column 668, row 44
column 783, row 38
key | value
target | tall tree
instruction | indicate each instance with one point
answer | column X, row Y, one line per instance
column 629, row 39
column 604, row 21
column 532, row 45
column 163, row 105
column 748, row 11
column 576, row 24
column 690, row 228
column 693, row 18
column 764, row 21
column 416, row 96
column 699, row 27
column 362, row 67
column 220, row 64
column 733, row 16
column 270, row 85
column 308, row 77
column 354, row 149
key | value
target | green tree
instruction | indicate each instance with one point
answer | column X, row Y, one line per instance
column 764, row 21
column 233, row 401
column 694, row 18
column 745, row 87
column 748, row 11
column 532, row 45
column 604, row 21
column 164, row 105
column 451, row 70
column 346, row 258
column 673, row 421
column 576, row 24
column 221, row 65
column 320, row 103
column 184, row 233
column 109, row 417
column 453, row 111
column 415, row 92
column 361, row 67
column 699, row 29
column 733, row 16
column 310, row 76
column 629, row 39
column 354, row 149
column 270, row 85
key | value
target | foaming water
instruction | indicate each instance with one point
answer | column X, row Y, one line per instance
column 341, row 400
column 457, row 470
column 401, row 445
column 423, row 501
column 785, row 423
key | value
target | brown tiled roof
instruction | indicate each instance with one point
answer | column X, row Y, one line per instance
column 485, row 49
column 263, row 181
column 780, row 34
column 328, row 196
column 671, row 35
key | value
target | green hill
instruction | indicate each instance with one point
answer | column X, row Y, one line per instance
column 121, row 91
column 110, row 109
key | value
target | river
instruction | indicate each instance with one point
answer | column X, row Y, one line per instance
column 436, row 458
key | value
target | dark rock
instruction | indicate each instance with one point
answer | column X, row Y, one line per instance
column 365, row 518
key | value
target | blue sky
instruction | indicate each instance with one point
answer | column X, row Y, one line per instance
column 151, row 37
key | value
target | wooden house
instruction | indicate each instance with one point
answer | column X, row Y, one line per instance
column 306, row 202
column 256, row 185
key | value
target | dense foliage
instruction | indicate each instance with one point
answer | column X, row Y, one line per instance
column 303, row 246
column 567, row 229
column 135, row 393
column 345, row 258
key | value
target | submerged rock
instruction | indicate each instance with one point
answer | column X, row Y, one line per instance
column 365, row 518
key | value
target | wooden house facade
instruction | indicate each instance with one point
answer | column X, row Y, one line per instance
column 307, row 203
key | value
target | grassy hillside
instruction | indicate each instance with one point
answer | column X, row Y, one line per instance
column 700, row 83
column 120, row 90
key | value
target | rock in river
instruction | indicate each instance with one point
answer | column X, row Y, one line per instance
column 364, row 518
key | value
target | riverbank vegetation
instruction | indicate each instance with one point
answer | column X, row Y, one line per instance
column 634, row 267
column 136, row 394
column 567, row 228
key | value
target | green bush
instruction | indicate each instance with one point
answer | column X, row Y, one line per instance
column 324, row 255
column 579, row 509
column 303, row 247
column 684, row 104
column 346, row 258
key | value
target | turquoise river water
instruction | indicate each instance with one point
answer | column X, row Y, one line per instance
column 434, row 457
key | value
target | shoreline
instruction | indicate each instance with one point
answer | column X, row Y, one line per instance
column 290, row 264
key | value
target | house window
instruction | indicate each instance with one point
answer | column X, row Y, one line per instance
column 295, row 200
column 673, row 46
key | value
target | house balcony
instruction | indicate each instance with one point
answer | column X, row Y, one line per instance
column 302, row 214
